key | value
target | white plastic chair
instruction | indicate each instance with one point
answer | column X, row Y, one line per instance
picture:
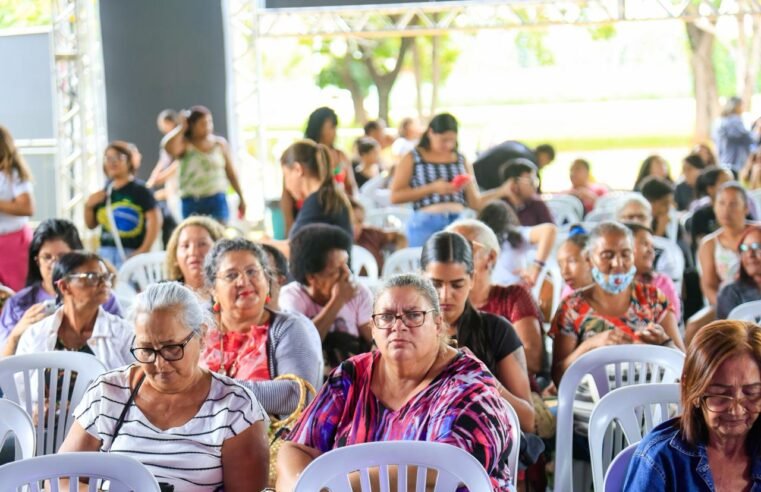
column 374, row 191
column 123, row 472
column 637, row 410
column 361, row 258
column 675, row 260
column 454, row 466
column 394, row 218
column 550, row 271
column 612, row 201
column 566, row 209
column 14, row 420
column 23, row 380
column 616, row 475
column 137, row 273
column 642, row 364
column 405, row 260
column 596, row 216
column 515, row 447
column 749, row 311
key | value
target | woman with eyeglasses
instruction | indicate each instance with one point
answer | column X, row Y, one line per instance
column 447, row 261
column 52, row 239
column 125, row 209
column 194, row 429
column 747, row 286
column 82, row 283
column 414, row 387
column 251, row 342
column 715, row 445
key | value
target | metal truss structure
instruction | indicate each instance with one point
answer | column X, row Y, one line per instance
column 80, row 104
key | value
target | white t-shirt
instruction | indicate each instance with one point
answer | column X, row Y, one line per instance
column 189, row 456
column 513, row 260
column 355, row 313
column 402, row 146
column 10, row 188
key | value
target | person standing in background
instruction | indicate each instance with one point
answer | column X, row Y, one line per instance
column 16, row 206
column 163, row 178
column 733, row 140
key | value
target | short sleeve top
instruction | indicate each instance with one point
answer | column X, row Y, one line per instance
column 188, row 456
column 11, row 186
column 577, row 318
column 129, row 204
column 513, row 302
column 312, row 212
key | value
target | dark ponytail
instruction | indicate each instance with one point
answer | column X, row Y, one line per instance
column 315, row 159
column 503, row 221
column 440, row 123
column 451, row 247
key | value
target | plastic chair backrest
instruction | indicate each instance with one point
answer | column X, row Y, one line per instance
column 25, row 380
column 515, row 447
column 563, row 209
column 389, row 218
column 330, row 470
column 748, row 311
column 597, row 216
column 405, row 260
column 123, row 472
column 550, row 271
column 612, row 201
column 361, row 258
column 636, row 410
column 627, row 365
column 14, row 420
column 616, row 475
column 675, row 259
column 137, row 273
column 374, row 191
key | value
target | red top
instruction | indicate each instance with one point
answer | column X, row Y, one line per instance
column 513, row 302
column 245, row 354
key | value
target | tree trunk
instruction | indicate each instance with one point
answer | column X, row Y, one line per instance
column 417, row 65
column 384, row 82
column 748, row 58
column 357, row 99
column 703, row 80
column 435, row 74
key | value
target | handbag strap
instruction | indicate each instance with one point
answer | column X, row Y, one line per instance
column 112, row 222
column 123, row 415
column 305, row 387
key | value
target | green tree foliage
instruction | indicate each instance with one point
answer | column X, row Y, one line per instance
column 24, row 13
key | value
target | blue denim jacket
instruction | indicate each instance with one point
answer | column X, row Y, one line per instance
column 663, row 461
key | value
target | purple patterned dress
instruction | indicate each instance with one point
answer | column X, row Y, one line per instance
column 461, row 407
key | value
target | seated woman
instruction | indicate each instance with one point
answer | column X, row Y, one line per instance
column 714, row 444
column 512, row 302
column 447, row 261
column 324, row 291
column 718, row 257
column 52, row 239
column 653, row 165
column 747, row 287
column 252, row 343
column 368, row 165
column 83, row 284
column 128, row 199
column 685, row 193
column 187, row 249
column 205, row 431
column 377, row 241
column 644, row 261
column 574, row 267
column 413, row 387
column 616, row 309
column 703, row 220
column 525, row 249
column 582, row 187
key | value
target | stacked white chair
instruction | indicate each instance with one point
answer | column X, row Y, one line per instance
column 636, row 410
column 125, row 474
column 749, row 311
column 15, row 421
column 626, row 365
column 137, row 273
column 452, row 465
column 616, row 475
column 361, row 259
column 405, row 260
column 25, row 380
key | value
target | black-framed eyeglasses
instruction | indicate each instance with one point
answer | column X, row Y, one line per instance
column 232, row 276
column 722, row 403
column 410, row 319
column 93, row 278
column 753, row 248
column 170, row 353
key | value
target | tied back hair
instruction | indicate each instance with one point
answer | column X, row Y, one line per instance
column 315, row 159
column 451, row 247
column 503, row 221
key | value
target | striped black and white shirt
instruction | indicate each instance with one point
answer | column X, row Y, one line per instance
column 188, row 456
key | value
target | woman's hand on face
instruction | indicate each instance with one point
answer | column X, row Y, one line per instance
column 653, row 334
column 344, row 289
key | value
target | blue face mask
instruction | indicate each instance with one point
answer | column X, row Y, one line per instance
column 613, row 283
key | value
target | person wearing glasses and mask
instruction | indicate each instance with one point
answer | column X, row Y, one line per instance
column 747, row 287
column 715, row 445
column 194, row 429
column 52, row 239
column 413, row 387
column 253, row 343
column 82, row 283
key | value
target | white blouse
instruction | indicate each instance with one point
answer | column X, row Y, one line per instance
column 10, row 188
column 188, row 456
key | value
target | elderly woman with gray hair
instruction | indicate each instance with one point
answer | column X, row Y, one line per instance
column 192, row 428
column 253, row 343
column 616, row 309
column 413, row 387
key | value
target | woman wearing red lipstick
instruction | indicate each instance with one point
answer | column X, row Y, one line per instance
column 254, row 344
column 447, row 260
column 186, row 251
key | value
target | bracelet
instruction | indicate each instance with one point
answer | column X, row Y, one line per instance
column 665, row 342
column 540, row 263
